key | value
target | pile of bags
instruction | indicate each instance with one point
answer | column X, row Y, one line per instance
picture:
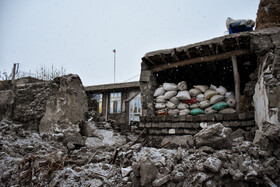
column 175, row 99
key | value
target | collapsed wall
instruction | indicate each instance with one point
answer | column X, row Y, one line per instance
column 42, row 104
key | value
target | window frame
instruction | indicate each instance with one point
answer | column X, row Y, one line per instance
column 115, row 97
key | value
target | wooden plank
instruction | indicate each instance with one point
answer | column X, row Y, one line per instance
column 236, row 82
column 199, row 60
column 149, row 60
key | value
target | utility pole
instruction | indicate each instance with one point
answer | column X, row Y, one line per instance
column 14, row 75
column 114, row 65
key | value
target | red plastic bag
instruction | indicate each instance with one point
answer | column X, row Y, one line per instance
column 191, row 101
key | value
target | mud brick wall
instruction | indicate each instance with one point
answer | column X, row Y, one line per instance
column 147, row 86
column 30, row 102
column 190, row 125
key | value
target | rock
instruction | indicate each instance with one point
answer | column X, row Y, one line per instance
column 236, row 174
column 237, row 134
column 270, row 162
column 148, row 172
column 200, row 178
column 136, row 169
column 161, row 180
column 213, row 164
column 69, row 102
column 276, row 153
column 7, row 98
column 126, row 171
column 211, row 183
column 88, row 129
column 207, row 149
column 96, row 183
column 216, row 136
column 70, row 145
column 178, row 177
column 185, row 141
column 135, row 180
column 244, row 147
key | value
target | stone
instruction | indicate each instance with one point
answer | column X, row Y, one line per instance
column 237, row 134
column 68, row 102
column 211, row 183
column 178, row 177
column 148, row 172
column 207, row 149
column 126, row 171
column 213, row 164
column 216, row 136
column 185, row 141
column 276, row 153
column 160, row 180
column 7, row 98
column 270, row 162
column 88, row 128
column 236, row 174
column 136, row 169
column 201, row 177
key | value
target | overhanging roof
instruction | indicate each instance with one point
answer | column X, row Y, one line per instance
column 114, row 86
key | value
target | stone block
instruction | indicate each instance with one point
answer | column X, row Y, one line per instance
column 157, row 132
column 219, row 117
column 171, row 131
column 189, row 118
column 242, row 116
column 182, row 118
column 154, row 119
column 149, row 125
column 161, row 124
column 230, row 117
column 168, row 118
column 142, row 118
column 142, row 125
column 226, row 124
column 148, row 118
column 181, row 125
column 164, row 131
column 179, row 131
column 151, row 131
column 156, row 125
column 210, row 117
column 174, row 125
column 250, row 115
column 203, row 117
column 175, row 118
column 196, row 118
column 167, row 125
column 251, row 123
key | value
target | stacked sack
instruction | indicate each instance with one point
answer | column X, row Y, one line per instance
column 175, row 99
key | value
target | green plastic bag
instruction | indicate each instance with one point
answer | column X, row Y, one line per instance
column 196, row 111
column 220, row 106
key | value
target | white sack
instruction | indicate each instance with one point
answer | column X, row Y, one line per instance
column 213, row 87
column 175, row 100
column 161, row 111
column 204, row 104
column 202, row 88
column 160, row 105
column 169, row 94
column 173, row 112
column 194, row 92
column 159, row 91
column 200, row 97
column 229, row 95
column 221, row 90
column 196, row 105
column 182, row 106
column 184, row 112
column 170, row 105
column 160, row 100
column 182, row 85
column 209, row 93
column 227, row 111
column 216, row 98
column 183, row 95
column 170, row 87
column 210, row 110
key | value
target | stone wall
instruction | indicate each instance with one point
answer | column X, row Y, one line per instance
column 44, row 103
column 268, row 14
column 267, row 90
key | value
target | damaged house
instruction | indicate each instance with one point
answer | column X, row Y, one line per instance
column 245, row 65
column 119, row 102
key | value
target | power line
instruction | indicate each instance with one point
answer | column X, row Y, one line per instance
column 131, row 78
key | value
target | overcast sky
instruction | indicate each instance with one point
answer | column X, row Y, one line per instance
column 80, row 35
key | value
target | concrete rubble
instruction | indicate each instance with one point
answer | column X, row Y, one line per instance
column 28, row 159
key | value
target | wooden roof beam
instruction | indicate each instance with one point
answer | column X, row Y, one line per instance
column 149, row 60
column 199, row 60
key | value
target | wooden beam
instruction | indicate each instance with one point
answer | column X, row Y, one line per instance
column 236, row 82
column 149, row 60
column 199, row 60
column 175, row 56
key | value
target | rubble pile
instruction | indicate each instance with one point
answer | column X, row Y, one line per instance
column 215, row 156
column 175, row 99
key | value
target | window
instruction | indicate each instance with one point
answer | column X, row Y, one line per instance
column 98, row 98
column 115, row 102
